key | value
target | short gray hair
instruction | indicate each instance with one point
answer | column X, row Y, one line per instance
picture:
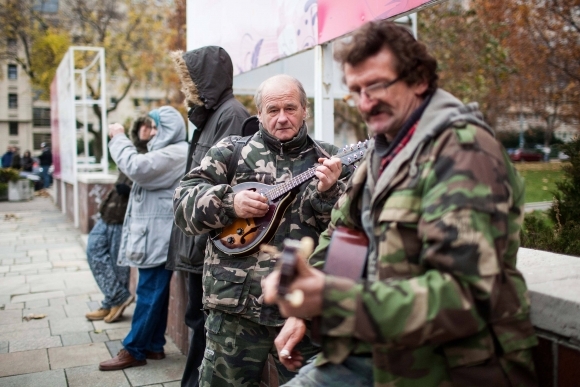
column 296, row 82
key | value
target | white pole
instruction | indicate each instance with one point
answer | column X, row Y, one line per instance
column 323, row 97
column 105, row 157
column 74, row 156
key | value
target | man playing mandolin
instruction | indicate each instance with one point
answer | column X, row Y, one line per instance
column 441, row 302
column 240, row 329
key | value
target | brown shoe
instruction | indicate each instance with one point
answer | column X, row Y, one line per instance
column 121, row 361
column 117, row 311
column 155, row 355
column 97, row 314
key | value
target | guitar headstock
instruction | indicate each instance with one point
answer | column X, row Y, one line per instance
column 293, row 250
column 350, row 154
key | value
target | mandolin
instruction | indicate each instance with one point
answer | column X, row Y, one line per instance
column 244, row 236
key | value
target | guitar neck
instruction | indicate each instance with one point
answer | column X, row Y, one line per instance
column 281, row 189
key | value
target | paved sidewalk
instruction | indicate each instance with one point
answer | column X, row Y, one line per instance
column 44, row 271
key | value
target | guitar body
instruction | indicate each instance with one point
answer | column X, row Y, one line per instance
column 346, row 257
column 244, row 236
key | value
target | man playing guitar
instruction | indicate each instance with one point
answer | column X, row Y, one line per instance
column 441, row 302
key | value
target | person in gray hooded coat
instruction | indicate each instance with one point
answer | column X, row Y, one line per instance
column 147, row 227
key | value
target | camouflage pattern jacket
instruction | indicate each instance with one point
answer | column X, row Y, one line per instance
column 204, row 202
column 443, row 303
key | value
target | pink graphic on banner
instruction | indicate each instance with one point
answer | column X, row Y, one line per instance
column 54, row 129
column 339, row 17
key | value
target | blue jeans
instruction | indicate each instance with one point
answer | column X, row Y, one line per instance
column 45, row 175
column 355, row 371
column 102, row 250
column 150, row 317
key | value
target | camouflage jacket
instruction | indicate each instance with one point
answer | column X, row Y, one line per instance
column 443, row 303
column 204, row 202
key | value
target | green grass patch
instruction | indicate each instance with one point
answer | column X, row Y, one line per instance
column 540, row 184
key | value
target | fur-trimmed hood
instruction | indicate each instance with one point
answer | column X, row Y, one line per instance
column 206, row 75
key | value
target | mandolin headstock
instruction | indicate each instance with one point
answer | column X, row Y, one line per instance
column 350, row 154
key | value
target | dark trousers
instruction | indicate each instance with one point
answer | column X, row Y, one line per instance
column 194, row 319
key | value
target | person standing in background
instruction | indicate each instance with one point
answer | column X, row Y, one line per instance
column 147, row 228
column 45, row 161
column 206, row 77
column 27, row 162
column 105, row 238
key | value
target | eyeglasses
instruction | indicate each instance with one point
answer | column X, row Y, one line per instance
column 373, row 91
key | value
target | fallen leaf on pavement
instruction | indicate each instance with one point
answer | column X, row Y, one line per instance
column 33, row 316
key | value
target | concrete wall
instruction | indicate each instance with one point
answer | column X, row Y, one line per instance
column 554, row 284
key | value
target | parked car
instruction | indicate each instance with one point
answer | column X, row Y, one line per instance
column 526, row 155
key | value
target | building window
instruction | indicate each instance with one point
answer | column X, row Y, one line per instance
column 39, row 138
column 40, row 116
column 113, row 101
column 13, row 128
column 12, row 101
column 136, row 102
column 12, row 71
column 45, row 6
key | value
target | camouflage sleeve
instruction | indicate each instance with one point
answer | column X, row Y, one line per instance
column 204, row 199
column 323, row 202
column 339, row 216
column 470, row 217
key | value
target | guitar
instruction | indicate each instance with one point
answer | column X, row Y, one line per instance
column 346, row 256
column 244, row 236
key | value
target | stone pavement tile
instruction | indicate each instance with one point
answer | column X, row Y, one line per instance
column 90, row 376
column 37, row 296
column 98, row 337
column 15, row 289
column 3, row 346
column 37, row 253
column 36, row 304
column 54, row 378
column 78, row 355
column 70, row 325
column 114, row 347
column 82, row 292
column 40, row 259
column 57, row 301
column 14, row 306
column 29, row 343
column 4, row 300
column 170, row 346
column 118, row 333
column 93, row 305
column 37, row 333
column 7, row 261
column 22, row 261
column 81, row 264
column 76, row 338
column 24, row 326
column 12, row 316
column 124, row 322
column 77, row 298
column 51, row 312
column 77, row 309
column 177, row 383
column 4, row 269
column 47, row 286
column 157, row 371
column 27, row 362
column 97, row 297
column 30, row 266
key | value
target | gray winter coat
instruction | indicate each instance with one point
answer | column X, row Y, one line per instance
column 149, row 217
